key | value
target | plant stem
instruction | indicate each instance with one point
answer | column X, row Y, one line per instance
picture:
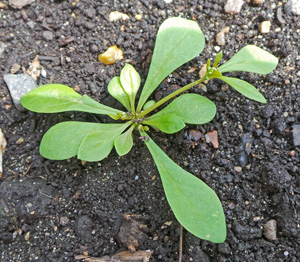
column 170, row 96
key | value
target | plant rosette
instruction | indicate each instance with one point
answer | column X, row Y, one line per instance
column 195, row 205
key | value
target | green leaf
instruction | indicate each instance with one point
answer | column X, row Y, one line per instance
column 62, row 141
column 250, row 59
column 97, row 145
column 178, row 41
column 130, row 80
column 116, row 90
column 54, row 98
column 169, row 124
column 218, row 59
column 148, row 104
column 124, row 142
column 244, row 88
column 195, row 205
column 190, row 108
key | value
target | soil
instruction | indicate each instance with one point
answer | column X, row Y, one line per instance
column 57, row 210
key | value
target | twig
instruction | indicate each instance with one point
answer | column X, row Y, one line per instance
column 180, row 244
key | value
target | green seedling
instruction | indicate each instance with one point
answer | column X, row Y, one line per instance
column 195, row 204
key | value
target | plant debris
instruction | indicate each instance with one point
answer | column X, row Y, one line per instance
column 2, row 149
column 111, row 55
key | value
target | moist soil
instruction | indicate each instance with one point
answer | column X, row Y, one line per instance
column 57, row 210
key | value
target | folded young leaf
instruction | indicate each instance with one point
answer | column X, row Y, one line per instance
column 178, row 41
column 116, row 90
column 130, row 80
column 195, row 205
column 124, row 142
column 62, row 141
column 169, row 124
column 250, row 59
column 244, row 88
column 190, row 108
column 55, row 98
column 97, row 145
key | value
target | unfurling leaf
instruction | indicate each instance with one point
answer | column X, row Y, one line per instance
column 130, row 80
column 178, row 41
column 124, row 142
column 195, row 205
column 244, row 88
column 55, row 98
column 116, row 90
column 190, row 108
column 250, row 59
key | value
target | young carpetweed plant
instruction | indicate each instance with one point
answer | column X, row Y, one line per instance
column 195, row 204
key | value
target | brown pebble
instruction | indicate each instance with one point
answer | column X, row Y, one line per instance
column 233, row 6
column 270, row 229
column 238, row 169
column 258, row 2
column 15, row 68
column 265, row 27
column 220, row 38
column 212, row 136
column 292, row 153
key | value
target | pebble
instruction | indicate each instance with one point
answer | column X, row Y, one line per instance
column 64, row 221
column 217, row 48
column 138, row 17
column 20, row 3
column 258, row 2
column 48, row 35
column 233, row 6
column 15, row 68
column 270, row 230
column 3, row 144
column 116, row 15
column 111, row 55
column 265, row 27
column 292, row 6
column 212, row 137
column 2, row 5
column 84, row 227
column 238, row 169
column 296, row 135
column 279, row 16
column 220, row 38
column 2, row 48
column 18, row 85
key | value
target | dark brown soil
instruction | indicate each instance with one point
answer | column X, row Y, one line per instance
column 56, row 210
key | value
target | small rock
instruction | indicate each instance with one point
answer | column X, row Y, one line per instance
column 20, row 3
column 31, row 24
column 220, row 38
column 233, row 6
column 265, row 27
column 2, row 5
column 15, row 68
column 138, row 17
column 224, row 249
column 292, row 6
column 111, row 55
column 2, row 149
column 115, row 16
column 296, row 135
column 64, row 221
column 238, row 169
column 2, row 48
column 212, row 137
column 258, row 2
column 279, row 16
column 270, row 230
column 202, row 71
column 217, row 48
column 18, row 85
column 48, row 35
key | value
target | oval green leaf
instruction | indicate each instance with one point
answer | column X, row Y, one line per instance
column 250, row 59
column 190, row 108
column 97, row 145
column 116, row 90
column 55, row 98
column 195, row 205
column 62, row 141
column 169, row 124
column 178, row 41
column 244, row 88
column 124, row 142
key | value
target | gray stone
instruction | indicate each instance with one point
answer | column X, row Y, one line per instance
column 48, row 35
column 18, row 85
column 2, row 48
column 293, row 6
column 233, row 6
column 296, row 135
